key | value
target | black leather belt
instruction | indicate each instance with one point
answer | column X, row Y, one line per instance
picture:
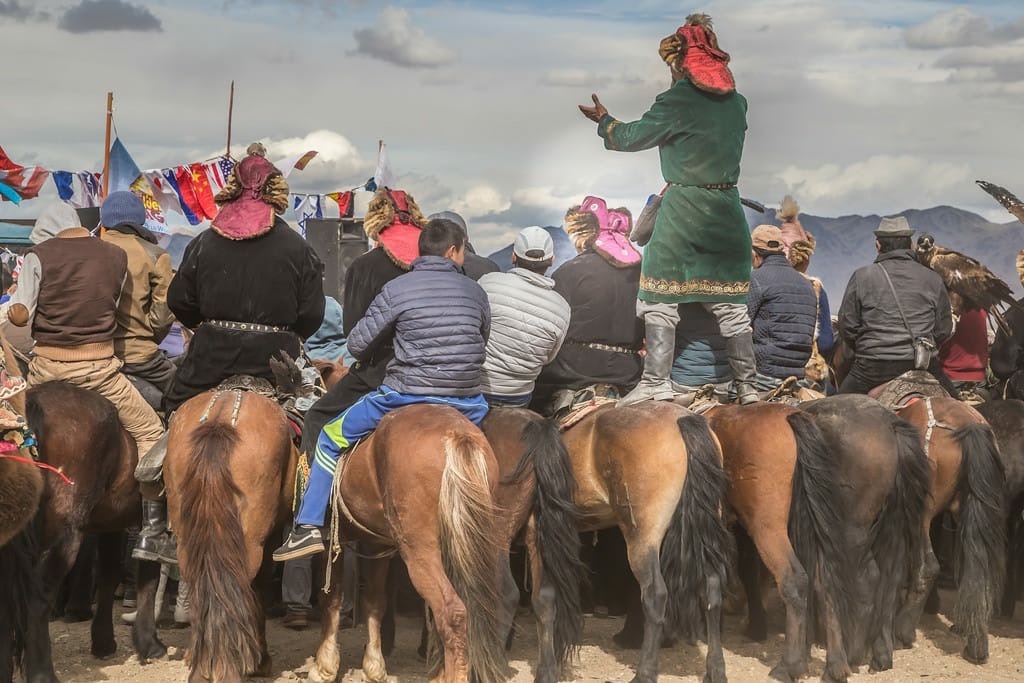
column 245, row 327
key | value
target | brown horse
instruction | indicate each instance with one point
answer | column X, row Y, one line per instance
column 230, row 476
column 967, row 479
column 785, row 494
column 884, row 479
column 78, row 433
column 654, row 470
column 432, row 499
column 21, row 486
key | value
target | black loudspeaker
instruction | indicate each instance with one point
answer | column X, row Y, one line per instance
column 337, row 243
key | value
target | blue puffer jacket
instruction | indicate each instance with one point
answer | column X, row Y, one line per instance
column 440, row 320
column 783, row 310
column 701, row 356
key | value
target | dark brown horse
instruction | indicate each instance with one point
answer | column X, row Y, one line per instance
column 78, row 433
column 884, row 480
column 654, row 470
column 967, row 479
column 1007, row 421
column 230, row 477
column 431, row 498
column 784, row 491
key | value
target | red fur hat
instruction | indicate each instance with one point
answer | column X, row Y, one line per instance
column 693, row 50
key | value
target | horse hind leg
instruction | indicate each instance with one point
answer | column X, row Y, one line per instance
column 921, row 584
column 376, row 598
column 328, row 658
column 644, row 559
column 144, row 636
column 109, row 575
column 450, row 619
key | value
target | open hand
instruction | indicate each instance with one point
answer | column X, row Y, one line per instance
column 596, row 112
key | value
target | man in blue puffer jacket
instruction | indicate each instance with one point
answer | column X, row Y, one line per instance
column 783, row 310
column 439, row 320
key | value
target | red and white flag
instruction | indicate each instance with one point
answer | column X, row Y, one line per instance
column 19, row 182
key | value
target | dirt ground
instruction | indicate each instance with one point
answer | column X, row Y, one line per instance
column 934, row 657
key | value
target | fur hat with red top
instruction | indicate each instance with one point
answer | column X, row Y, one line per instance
column 394, row 221
column 693, row 51
column 593, row 225
column 254, row 193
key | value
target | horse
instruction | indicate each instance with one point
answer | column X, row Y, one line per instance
column 230, row 477
column 21, row 487
column 968, row 479
column 884, row 479
column 785, row 494
column 432, row 500
column 1007, row 421
column 654, row 470
column 80, row 436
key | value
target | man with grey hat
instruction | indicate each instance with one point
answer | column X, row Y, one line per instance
column 892, row 308
column 529, row 320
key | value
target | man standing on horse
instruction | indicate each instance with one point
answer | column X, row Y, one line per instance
column 892, row 308
column 699, row 250
column 438, row 321
column 143, row 317
column 68, row 292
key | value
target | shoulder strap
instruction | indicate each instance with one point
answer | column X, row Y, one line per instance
column 899, row 307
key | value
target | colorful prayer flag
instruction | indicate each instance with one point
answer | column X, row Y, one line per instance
column 288, row 164
column 345, row 204
column 170, row 175
column 165, row 195
column 64, row 181
column 20, row 182
column 89, row 194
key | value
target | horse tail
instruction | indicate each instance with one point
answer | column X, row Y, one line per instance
column 697, row 550
column 816, row 520
column 981, row 551
column 469, row 552
column 220, row 593
column 22, row 593
column 558, row 542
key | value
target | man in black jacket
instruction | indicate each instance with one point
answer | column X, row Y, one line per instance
column 475, row 266
column 875, row 315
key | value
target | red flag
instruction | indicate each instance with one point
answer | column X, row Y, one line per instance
column 198, row 200
column 24, row 183
column 344, row 200
column 201, row 183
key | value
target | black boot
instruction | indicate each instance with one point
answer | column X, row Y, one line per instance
column 154, row 534
column 656, row 383
column 743, row 365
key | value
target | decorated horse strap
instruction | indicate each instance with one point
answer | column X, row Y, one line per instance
column 16, row 436
column 932, row 424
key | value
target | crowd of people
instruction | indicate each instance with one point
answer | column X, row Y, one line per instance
column 426, row 320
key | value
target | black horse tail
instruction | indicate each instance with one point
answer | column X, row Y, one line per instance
column 816, row 523
column 21, row 591
column 221, row 597
column 556, row 518
column 981, row 551
column 698, row 550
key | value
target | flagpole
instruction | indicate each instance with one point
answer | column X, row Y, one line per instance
column 231, row 109
column 106, row 148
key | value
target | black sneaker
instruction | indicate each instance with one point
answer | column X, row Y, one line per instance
column 302, row 541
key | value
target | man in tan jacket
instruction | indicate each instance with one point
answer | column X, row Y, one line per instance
column 68, row 291
column 143, row 318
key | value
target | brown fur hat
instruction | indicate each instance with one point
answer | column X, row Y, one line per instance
column 380, row 214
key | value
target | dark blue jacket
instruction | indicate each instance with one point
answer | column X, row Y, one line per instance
column 439, row 320
column 701, row 354
column 783, row 310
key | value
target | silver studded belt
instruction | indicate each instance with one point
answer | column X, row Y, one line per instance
column 245, row 327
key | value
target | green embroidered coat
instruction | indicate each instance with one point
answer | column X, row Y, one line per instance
column 700, row 248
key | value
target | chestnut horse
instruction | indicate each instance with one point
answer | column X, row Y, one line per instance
column 968, row 479
column 423, row 485
column 654, row 470
column 884, row 480
column 78, row 433
column 784, row 491
column 230, row 478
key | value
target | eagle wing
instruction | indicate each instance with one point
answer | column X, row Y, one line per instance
column 970, row 280
column 1009, row 200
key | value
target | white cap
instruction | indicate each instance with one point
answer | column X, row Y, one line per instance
column 534, row 239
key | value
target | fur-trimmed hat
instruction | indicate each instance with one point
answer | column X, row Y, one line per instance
column 254, row 193
column 394, row 221
column 693, row 50
column 592, row 225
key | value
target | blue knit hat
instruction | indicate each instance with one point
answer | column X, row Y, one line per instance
column 122, row 207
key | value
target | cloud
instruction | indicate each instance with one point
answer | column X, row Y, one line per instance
column 1003, row 63
column 394, row 39
column 960, row 27
column 574, row 78
column 481, row 200
column 13, row 9
column 90, row 16
column 337, row 166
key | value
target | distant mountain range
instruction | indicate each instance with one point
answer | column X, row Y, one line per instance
column 847, row 243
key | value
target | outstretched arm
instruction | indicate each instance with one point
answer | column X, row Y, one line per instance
column 654, row 128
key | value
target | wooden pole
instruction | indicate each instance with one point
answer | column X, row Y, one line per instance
column 106, row 147
column 231, row 109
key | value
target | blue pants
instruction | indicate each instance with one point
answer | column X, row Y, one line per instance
column 520, row 401
column 355, row 423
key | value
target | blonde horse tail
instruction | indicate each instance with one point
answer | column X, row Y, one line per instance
column 213, row 543
column 469, row 550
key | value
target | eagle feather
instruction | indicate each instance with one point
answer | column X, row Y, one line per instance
column 970, row 283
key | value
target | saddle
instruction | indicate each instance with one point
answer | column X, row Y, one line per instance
column 911, row 386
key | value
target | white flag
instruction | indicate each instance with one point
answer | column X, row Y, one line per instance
column 299, row 161
column 306, row 207
column 383, row 176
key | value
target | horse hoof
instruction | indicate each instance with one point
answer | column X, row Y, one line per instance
column 156, row 650
column 628, row 640
column 105, row 651
column 316, row 676
column 780, row 673
column 265, row 668
column 975, row 657
column 76, row 616
column 880, row 664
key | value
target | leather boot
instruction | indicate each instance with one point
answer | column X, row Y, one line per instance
column 151, row 463
column 743, row 365
column 154, row 533
column 656, row 382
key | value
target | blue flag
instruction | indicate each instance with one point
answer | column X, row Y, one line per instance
column 168, row 175
column 123, row 169
column 62, row 179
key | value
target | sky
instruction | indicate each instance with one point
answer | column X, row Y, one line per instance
column 854, row 107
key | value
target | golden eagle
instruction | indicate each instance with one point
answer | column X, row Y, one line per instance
column 1014, row 206
column 970, row 284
